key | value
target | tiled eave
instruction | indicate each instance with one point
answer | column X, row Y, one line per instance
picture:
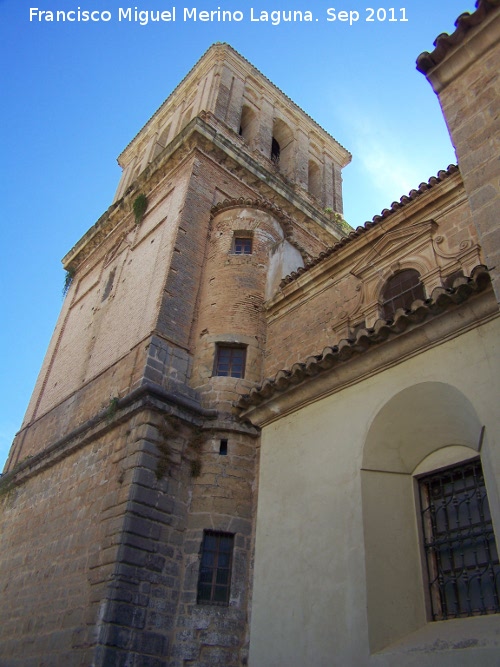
column 405, row 201
column 347, row 362
column 444, row 43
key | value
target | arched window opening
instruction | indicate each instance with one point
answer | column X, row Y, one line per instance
column 186, row 118
column 409, row 443
column 401, row 291
column 314, row 179
column 161, row 141
column 247, row 123
column 282, row 147
column 275, row 152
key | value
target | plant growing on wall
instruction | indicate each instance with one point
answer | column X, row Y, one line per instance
column 338, row 219
column 188, row 447
column 112, row 408
column 140, row 206
column 68, row 279
column 166, row 431
column 195, row 445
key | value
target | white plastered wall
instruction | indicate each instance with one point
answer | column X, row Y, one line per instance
column 326, row 592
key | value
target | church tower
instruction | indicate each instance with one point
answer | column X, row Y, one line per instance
column 128, row 501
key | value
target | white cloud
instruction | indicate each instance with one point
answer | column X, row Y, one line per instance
column 384, row 156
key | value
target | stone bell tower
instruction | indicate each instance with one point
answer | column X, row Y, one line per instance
column 127, row 503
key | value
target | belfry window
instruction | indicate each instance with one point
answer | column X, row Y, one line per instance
column 275, row 151
column 230, row 361
column 460, row 549
column 401, row 291
column 214, row 580
column 314, row 179
column 247, row 123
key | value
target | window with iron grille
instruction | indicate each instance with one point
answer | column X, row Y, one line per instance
column 242, row 245
column 214, row 580
column 460, row 549
column 400, row 291
column 230, row 361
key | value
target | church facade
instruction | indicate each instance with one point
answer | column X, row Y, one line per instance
column 258, row 436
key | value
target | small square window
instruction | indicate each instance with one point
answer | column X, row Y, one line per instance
column 230, row 361
column 242, row 245
column 214, row 579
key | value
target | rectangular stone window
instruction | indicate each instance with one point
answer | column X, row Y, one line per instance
column 230, row 361
column 214, row 581
column 460, row 549
column 242, row 244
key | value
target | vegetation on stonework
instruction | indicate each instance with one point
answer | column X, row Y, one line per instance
column 338, row 219
column 195, row 445
column 68, row 280
column 112, row 408
column 7, row 480
column 195, row 466
column 168, row 429
column 6, row 484
column 140, row 206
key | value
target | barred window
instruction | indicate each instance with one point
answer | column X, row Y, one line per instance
column 460, row 549
column 214, row 580
column 400, row 291
column 230, row 361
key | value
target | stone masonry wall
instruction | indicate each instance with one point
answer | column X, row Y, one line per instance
column 102, row 529
column 105, row 533
column 116, row 289
column 211, row 183
column 143, row 591
column 93, row 398
column 58, row 540
column 180, row 486
column 470, row 104
column 222, row 498
column 231, row 301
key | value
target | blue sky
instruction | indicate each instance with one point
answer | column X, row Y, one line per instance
column 74, row 95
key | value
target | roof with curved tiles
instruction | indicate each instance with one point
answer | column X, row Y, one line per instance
column 440, row 300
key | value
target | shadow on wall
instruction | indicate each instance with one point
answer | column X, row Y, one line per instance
column 420, row 430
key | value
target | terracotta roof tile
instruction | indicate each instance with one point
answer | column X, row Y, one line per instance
column 359, row 231
column 440, row 300
column 444, row 42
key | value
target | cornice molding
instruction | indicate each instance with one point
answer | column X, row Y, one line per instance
column 373, row 350
column 285, row 221
column 216, row 55
column 475, row 34
column 464, row 24
column 406, row 205
column 204, row 133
